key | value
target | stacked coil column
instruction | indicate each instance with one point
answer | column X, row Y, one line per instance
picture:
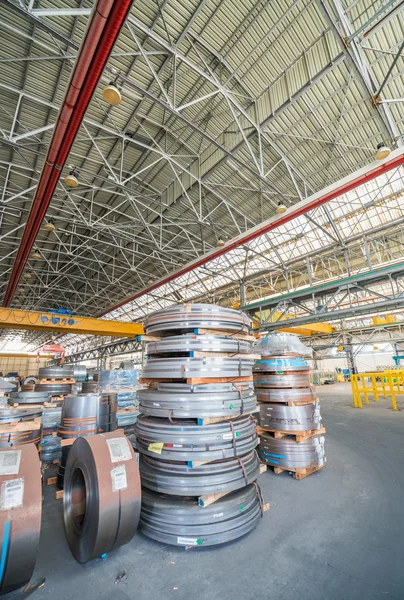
column 290, row 428
column 195, row 433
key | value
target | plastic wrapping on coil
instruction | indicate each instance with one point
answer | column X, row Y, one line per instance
column 51, row 448
column 278, row 344
column 119, row 379
column 51, row 418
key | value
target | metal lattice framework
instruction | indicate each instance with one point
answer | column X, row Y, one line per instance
column 228, row 108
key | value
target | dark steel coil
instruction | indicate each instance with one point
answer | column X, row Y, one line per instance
column 13, row 437
column 20, row 515
column 54, row 389
column 185, row 440
column 286, row 394
column 62, row 466
column 290, row 418
column 102, row 495
column 194, row 343
column 185, row 317
column 288, row 453
column 288, row 380
column 65, row 372
column 8, row 415
column 281, row 364
column 184, row 367
column 181, row 522
column 211, row 478
column 79, row 373
column 88, row 414
column 185, row 401
column 28, row 397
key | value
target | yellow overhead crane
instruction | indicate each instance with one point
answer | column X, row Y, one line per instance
column 307, row 330
column 65, row 323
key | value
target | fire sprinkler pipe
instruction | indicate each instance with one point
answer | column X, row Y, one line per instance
column 339, row 188
column 103, row 29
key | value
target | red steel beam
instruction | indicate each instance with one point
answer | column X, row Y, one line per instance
column 338, row 189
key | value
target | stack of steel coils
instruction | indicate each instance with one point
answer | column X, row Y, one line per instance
column 57, row 381
column 288, row 407
column 84, row 415
column 20, row 427
column 195, row 434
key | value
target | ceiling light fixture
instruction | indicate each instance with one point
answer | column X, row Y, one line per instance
column 49, row 226
column 35, row 255
column 281, row 208
column 112, row 94
column 27, row 276
column 383, row 151
column 220, row 243
column 71, row 179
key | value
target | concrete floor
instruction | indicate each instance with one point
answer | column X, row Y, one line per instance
column 338, row 534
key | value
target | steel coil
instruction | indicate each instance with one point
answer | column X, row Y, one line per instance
column 184, row 367
column 185, row 440
column 88, row 414
column 288, row 453
column 290, row 418
column 54, row 389
column 102, row 495
column 211, row 478
column 184, row 401
column 289, row 380
column 20, row 515
column 286, row 394
column 79, row 373
column 29, row 397
column 8, row 415
column 278, row 364
column 30, row 379
column 194, row 343
column 56, row 372
column 181, row 522
column 11, row 436
column 186, row 317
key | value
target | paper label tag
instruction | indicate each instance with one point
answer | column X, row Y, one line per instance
column 156, row 404
column 189, row 541
column 119, row 449
column 11, row 494
column 177, row 446
column 10, row 462
column 156, row 447
column 229, row 436
column 217, row 515
column 119, row 480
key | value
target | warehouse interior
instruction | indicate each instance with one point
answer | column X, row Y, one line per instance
column 202, row 299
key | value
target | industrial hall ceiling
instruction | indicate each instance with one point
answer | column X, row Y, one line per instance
column 228, row 108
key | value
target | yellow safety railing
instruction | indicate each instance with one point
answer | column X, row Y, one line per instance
column 385, row 383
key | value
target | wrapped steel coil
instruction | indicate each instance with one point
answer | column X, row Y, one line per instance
column 186, row 441
column 88, row 414
column 102, row 495
column 181, row 522
column 186, row 317
column 211, row 478
column 184, row 367
column 183, row 401
column 280, row 365
column 195, row 343
column 54, row 389
column 28, row 397
column 288, row 453
column 286, row 394
column 8, row 415
column 290, row 418
column 20, row 515
column 288, row 380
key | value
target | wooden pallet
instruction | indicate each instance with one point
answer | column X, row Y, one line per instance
column 299, row 472
column 22, row 426
column 299, row 436
column 59, row 494
column 211, row 420
column 28, row 406
column 200, row 331
column 51, row 480
column 197, row 380
column 54, row 380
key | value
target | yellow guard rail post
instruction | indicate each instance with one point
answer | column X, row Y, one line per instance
column 380, row 382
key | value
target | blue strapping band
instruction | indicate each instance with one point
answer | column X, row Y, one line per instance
column 4, row 550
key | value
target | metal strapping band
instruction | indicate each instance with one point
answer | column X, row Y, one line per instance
column 260, row 500
column 243, row 469
column 234, row 437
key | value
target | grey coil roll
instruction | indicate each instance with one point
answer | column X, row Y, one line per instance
column 79, row 373
column 183, row 401
column 181, row 522
column 29, row 397
column 211, row 478
column 290, row 418
column 20, row 515
column 54, row 389
column 8, row 415
column 185, row 317
column 288, row 453
column 289, row 380
column 201, row 343
column 102, row 495
column 64, row 372
column 184, row 367
column 185, row 441
column 30, row 379
column 13, row 437
column 88, row 414
column 286, row 394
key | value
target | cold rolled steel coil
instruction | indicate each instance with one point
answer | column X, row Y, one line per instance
column 29, row 397
column 79, row 373
column 286, row 394
column 288, row 453
column 8, row 415
column 20, row 515
column 102, row 495
column 185, row 317
column 288, row 380
column 30, row 379
column 280, row 364
column 202, row 343
column 89, row 387
column 211, row 478
column 64, row 372
column 11, row 436
column 183, row 401
column 54, row 389
column 181, row 522
column 62, row 467
column 20, row 438
column 185, row 440
column 184, row 367
column 290, row 418
column 88, row 414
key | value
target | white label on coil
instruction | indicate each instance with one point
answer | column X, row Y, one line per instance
column 119, row 449
column 217, row 515
column 177, row 445
column 10, row 462
column 11, row 494
column 227, row 436
column 156, row 404
column 187, row 541
column 119, row 480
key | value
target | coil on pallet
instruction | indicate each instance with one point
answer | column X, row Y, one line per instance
column 183, row 401
column 181, row 522
column 195, row 343
column 102, row 495
column 186, row 317
column 20, row 515
column 290, row 418
column 277, row 364
column 56, row 372
column 186, row 441
column 288, row 380
column 8, row 415
column 286, row 394
column 28, row 397
column 54, row 389
column 185, row 367
column 212, row 478
column 288, row 453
